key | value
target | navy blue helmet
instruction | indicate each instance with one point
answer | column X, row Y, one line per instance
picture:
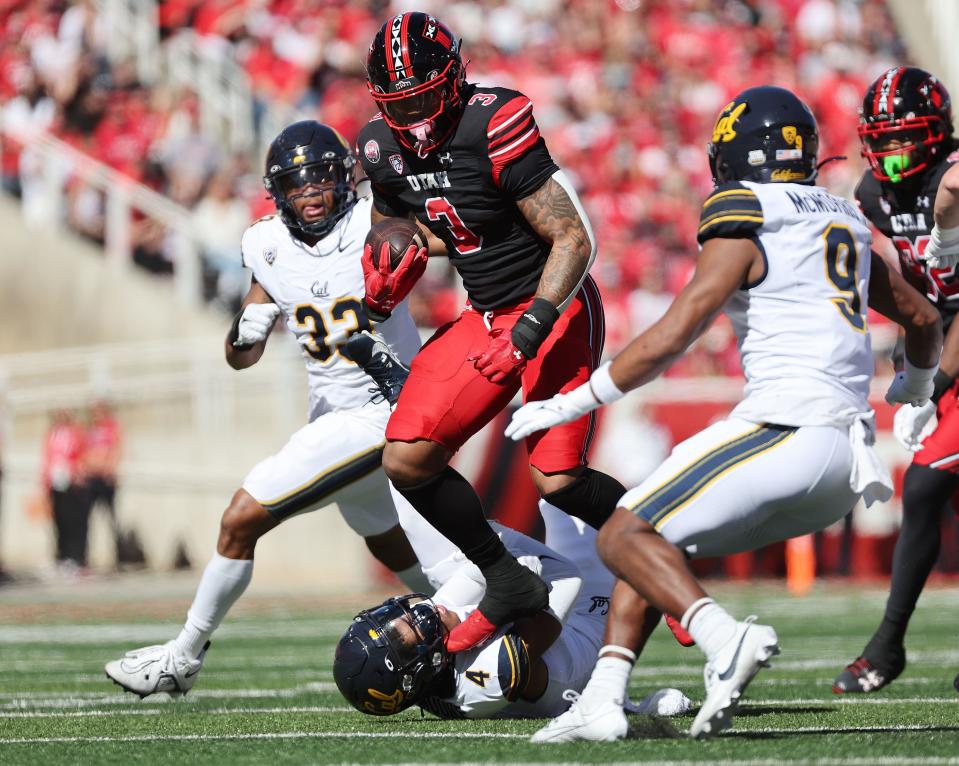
column 390, row 654
column 765, row 134
column 307, row 156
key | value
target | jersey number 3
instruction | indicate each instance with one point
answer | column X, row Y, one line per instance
column 466, row 241
column 842, row 261
column 314, row 341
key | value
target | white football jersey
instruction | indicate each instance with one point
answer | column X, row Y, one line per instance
column 488, row 680
column 320, row 291
column 801, row 328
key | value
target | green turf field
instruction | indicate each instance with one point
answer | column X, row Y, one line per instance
column 266, row 693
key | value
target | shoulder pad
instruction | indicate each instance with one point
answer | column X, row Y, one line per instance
column 514, row 666
column 732, row 210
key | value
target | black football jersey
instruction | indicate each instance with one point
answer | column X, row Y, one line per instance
column 465, row 191
column 904, row 214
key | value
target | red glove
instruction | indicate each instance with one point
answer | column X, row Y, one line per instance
column 501, row 358
column 385, row 287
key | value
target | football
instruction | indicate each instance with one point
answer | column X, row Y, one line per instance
column 399, row 232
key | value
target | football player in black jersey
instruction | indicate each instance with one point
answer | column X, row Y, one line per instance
column 907, row 136
column 469, row 164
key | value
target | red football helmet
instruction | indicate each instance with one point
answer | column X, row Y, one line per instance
column 415, row 75
column 905, row 118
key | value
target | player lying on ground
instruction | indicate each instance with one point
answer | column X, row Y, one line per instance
column 907, row 135
column 306, row 268
column 393, row 656
column 792, row 266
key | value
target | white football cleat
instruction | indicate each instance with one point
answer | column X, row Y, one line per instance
column 730, row 672
column 664, row 703
column 153, row 669
column 598, row 721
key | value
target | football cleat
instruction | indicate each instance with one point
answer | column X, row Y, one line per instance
column 154, row 669
column 665, row 703
column 862, row 676
column 595, row 721
column 377, row 359
column 728, row 674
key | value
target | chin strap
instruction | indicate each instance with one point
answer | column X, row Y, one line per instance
column 831, row 159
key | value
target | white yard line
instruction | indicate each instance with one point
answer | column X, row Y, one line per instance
column 265, row 735
column 161, row 711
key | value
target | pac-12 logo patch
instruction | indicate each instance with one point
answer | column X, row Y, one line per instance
column 372, row 151
column 397, row 162
column 269, row 255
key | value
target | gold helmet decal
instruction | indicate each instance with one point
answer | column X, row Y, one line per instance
column 386, row 704
column 725, row 129
column 791, row 137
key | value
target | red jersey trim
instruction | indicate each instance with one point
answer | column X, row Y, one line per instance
column 507, row 115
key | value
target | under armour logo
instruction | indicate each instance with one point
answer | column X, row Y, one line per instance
column 922, row 201
column 446, row 160
column 601, row 603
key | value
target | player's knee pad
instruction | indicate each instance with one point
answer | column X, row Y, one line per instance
column 592, row 496
column 925, row 490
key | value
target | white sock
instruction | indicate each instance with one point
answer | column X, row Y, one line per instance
column 414, row 579
column 609, row 679
column 222, row 583
column 711, row 626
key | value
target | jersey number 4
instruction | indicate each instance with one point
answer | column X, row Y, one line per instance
column 346, row 317
column 842, row 261
column 466, row 241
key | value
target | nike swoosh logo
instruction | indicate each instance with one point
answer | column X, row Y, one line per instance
column 727, row 673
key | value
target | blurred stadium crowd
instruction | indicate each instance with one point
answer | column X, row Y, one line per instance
column 626, row 93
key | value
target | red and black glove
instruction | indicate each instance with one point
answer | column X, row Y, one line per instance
column 385, row 286
column 506, row 356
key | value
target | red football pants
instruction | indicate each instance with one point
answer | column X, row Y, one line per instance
column 446, row 400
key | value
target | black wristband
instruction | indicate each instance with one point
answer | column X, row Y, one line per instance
column 941, row 383
column 534, row 326
column 376, row 316
column 235, row 333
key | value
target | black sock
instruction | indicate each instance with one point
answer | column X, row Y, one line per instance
column 924, row 493
column 592, row 496
column 449, row 503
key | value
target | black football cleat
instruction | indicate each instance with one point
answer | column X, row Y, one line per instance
column 864, row 677
column 377, row 359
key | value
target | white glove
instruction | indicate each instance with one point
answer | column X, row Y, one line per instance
column 913, row 424
column 255, row 323
column 562, row 408
column 942, row 252
column 913, row 385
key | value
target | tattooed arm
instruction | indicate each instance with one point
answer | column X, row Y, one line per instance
column 554, row 212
